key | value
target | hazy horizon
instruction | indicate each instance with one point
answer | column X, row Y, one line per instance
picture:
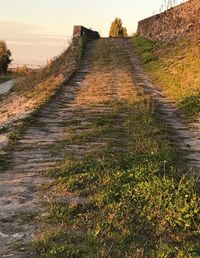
column 37, row 31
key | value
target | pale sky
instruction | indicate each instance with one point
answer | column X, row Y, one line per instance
column 36, row 30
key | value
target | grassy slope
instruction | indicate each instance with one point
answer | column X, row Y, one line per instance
column 34, row 89
column 38, row 87
column 52, row 75
column 138, row 205
column 5, row 78
column 175, row 68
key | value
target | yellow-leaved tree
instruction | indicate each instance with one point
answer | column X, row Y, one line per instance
column 117, row 29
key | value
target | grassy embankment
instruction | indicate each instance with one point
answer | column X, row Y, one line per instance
column 175, row 69
column 5, row 78
column 35, row 88
column 131, row 204
column 44, row 82
column 38, row 87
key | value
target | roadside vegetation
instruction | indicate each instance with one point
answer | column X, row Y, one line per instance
column 5, row 78
column 32, row 82
column 56, row 70
column 174, row 67
column 126, row 198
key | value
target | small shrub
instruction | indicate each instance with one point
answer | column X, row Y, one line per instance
column 191, row 104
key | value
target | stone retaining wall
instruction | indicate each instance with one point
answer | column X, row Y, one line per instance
column 179, row 22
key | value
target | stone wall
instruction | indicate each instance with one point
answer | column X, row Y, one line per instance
column 182, row 21
column 80, row 31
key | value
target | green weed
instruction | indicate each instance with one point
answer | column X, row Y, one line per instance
column 191, row 104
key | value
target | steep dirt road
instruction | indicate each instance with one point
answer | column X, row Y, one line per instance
column 19, row 182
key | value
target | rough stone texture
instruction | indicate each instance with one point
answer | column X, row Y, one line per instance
column 178, row 22
column 80, row 31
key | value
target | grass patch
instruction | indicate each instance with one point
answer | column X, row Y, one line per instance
column 136, row 203
column 83, row 44
column 191, row 104
column 71, row 247
column 5, row 78
column 174, row 68
column 43, row 83
column 145, row 48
